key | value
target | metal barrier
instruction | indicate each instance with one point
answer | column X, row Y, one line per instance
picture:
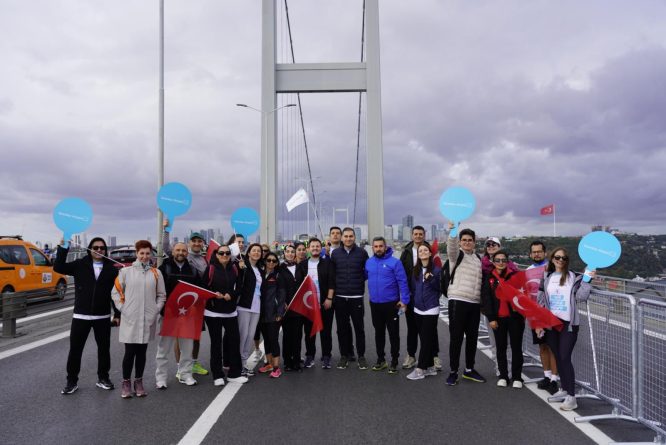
column 14, row 306
column 638, row 289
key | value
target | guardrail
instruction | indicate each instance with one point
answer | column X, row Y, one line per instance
column 13, row 306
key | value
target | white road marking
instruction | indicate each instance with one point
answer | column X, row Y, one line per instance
column 33, row 345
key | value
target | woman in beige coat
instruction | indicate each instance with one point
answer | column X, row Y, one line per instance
column 139, row 295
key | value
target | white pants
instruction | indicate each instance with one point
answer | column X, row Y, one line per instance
column 247, row 325
column 165, row 348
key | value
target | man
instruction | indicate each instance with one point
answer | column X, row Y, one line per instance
column 464, row 294
column 389, row 292
column 94, row 276
column 551, row 377
column 408, row 258
column 349, row 262
column 322, row 272
column 334, row 235
column 175, row 268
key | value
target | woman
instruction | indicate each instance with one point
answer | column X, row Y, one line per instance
column 221, row 277
column 560, row 291
column 492, row 246
column 301, row 252
column 426, row 284
column 272, row 309
column 249, row 302
column 504, row 321
column 292, row 324
column 139, row 294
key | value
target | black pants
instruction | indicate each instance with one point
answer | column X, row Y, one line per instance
column 292, row 331
column 562, row 344
column 464, row 320
column 412, row 330
column 385, row 318
column 326, row 334
column 229, row 347
column 135, row 357
column 310, row 342
column 350, row 311
column 427, row 330
column 77, row 340
column 257, row 333
column 513, row 327
column 271, row 332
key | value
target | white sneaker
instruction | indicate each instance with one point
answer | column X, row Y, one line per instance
column 502, row 383
column 569, row 403
column 438, row 363
column 416, row 374
column 559, row 394
column 218, row 382
column 189, row 381
column 161, row 385
column 239, row 379
column 430, row 371
column 409, row 362
column 517, row 384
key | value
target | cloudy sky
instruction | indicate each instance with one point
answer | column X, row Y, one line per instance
column 525, row 103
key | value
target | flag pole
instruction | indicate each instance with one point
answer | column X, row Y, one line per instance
column 554, row 225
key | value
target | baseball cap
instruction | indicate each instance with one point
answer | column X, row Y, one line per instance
column 493, row 239
column 196, row 235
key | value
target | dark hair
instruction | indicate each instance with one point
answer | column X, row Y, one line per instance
column 502, row 252
column 298, row 243
column 417, row 269
column 214, row 259
column 348, row 229
column 274, row 255
column 314, row 240
column 92, row 241
column 551, row 267
column 232, row 238
column 537, row 243
column 418, row 228
column 260, row 261
column 379, row 238
column 333, row 228
column 142, row 244
column 469, row 232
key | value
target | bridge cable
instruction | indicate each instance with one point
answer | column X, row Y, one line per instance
column 358, row 126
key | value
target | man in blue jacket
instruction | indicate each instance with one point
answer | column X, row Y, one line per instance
column 389, row 292
column 349, row 262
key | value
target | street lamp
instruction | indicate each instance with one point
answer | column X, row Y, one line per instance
column 264, row 149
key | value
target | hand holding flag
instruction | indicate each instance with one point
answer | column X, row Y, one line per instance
column 306, row 303
column 183, row 313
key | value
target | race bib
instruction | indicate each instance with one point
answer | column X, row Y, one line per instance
column 558, row 303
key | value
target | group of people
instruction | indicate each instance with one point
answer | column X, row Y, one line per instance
column 253, row 291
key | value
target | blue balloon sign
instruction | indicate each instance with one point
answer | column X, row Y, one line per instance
column 457, row 204
column 597, row 250
column 245, row 221
column 173, row 199
column 72, row 215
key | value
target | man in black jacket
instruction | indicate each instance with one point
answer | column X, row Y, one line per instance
column 175, row 268
column 94, row 276
column 349, row 262
column 322, row 272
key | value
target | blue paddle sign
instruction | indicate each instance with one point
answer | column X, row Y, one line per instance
column 598, row 249
column 457, row 204
column 245, row 220
column 72, row 215
column 174, row 199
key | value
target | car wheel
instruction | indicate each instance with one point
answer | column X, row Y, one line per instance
column 7, row 289
column 61, row 290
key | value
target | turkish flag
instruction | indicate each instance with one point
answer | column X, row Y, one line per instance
column 212, row 248
column 183, row 313
column 306, row 303
column 548, row 210
column 533, row 278
column 537, row 316
column 434, row 250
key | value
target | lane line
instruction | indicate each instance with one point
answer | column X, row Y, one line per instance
column 33, row 345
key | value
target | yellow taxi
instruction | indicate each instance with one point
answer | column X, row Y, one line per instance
column 25, row 268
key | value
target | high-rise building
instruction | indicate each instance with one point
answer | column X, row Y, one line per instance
column 434, row 232
column 388, row 233
column 112, row 241
column 357, row 232
column 399, row 232
column 406, row 233
column 408, row 221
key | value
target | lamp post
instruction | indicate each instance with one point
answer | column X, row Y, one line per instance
column 266, row 201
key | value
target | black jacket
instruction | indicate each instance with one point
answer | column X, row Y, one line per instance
column 273, row 297
column 247, row 284
column 173, row 273
column 325, row 274
column 349, row 270
column 407, row 260
column 291, row 283
column 224, row 280
column 490, row 304
column 91, row 296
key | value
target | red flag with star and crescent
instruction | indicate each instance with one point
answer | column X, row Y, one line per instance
column 184, row 311
column 212, row 248
column 306, row 303
column 512, row 291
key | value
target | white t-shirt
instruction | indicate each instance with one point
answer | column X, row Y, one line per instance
column 97, row 268
column 415, row 255
column 314, row 273
column 559, row 297
column 256, row 298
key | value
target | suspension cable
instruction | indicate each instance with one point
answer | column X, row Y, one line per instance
column 358, row 125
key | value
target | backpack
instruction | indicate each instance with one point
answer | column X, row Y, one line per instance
column 447, row 275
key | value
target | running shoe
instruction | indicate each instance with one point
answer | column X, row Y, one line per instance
column 380, row 365
column 276, row 373
column 70, row 388
column 452, row 379
column 409, row 362
column 105, row 384
column 416, row 374
column 266, row 368
column 198, row 369
column 474, row 376
column 362, row 363
column 343, row 363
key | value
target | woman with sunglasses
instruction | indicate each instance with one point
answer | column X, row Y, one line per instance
column 504, row 321
column 272, row 309
column 560, row 291
column 292, row 324
column 492, row 246
column 221, row 277
column 249, row 301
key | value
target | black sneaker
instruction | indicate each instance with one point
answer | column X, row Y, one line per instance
column 362, row 363
column 393, row 367
column 553, row 387
column 544, row 383
column 380, row 365
column 70, row 388
column 474, row 376
column 105, row 384
column 309, row 361
column 452, row 379
column 343, row 363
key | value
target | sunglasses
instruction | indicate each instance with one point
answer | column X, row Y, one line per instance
column 265, row 250
column 224, row 253
column 98, row 248
column 500, row 260
column 561, row 258
column 271, row 260
column 492, row 245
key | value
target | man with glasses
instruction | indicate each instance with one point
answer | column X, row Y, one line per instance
column 94, row 276
column 464, row 295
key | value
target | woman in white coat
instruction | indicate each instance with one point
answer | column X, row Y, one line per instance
column 139, row 295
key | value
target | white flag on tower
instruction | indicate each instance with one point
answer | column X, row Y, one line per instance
column 300, row 197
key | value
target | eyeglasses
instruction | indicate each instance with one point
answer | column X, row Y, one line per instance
column 224, row 253
column 561, row 258
column 500, row 260
column 271, row 260
column 492, row 245
column 265, row 250
column 98, row 248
